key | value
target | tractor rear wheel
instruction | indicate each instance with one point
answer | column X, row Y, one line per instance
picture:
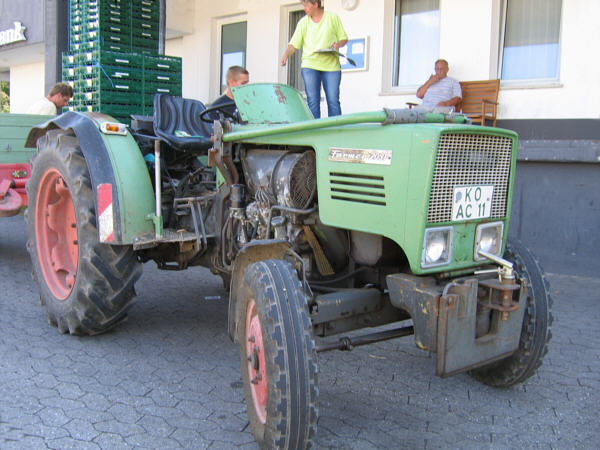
column 278, row 356
column 537, row 323
column 86, row 286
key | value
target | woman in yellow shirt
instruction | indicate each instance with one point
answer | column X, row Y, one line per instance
column 319, row 30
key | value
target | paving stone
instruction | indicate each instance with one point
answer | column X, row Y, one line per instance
column 72, row 444
column 111, row 440
column 81, row 430
column 147, row 441
column 169, row 377
column 116, row 426
column 156, row 426
column 189, row 438
column 28, row 442
column 124, row 413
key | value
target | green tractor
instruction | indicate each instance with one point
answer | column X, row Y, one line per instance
column 318, row 228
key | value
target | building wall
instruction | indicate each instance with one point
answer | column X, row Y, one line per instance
column 25, row 56
column 556, row 213
column 26, row 85
column 470, row 39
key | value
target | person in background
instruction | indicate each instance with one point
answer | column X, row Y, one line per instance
column 57, row 99
column 440, row 91
column 235, row 76
column 319, row 30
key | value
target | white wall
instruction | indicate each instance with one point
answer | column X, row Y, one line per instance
column 26, row 86
column 469, row 41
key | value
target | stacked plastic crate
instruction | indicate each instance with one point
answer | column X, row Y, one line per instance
column 113, row 63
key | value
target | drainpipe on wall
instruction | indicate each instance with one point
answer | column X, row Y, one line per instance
column 56, row 40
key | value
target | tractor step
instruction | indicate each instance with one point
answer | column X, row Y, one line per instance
column 169, row 236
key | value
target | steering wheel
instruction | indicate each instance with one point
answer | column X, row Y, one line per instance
column 221, row 110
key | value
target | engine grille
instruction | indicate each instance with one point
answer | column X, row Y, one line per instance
column 357, row 188
column 469, row 159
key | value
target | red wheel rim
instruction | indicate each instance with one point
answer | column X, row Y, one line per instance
column 56, row 234
column 255, row 354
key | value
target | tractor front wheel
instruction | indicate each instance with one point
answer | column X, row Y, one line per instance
column 278, row 356
column 86, row 286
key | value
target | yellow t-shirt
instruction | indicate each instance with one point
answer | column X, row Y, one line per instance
column 311, row 36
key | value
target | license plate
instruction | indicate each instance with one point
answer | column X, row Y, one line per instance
column 472, row 202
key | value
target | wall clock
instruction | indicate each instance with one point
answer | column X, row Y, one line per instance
column 349, row 5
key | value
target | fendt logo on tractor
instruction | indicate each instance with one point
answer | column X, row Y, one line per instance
column 318, row 228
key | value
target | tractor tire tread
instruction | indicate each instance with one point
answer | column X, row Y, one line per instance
column 293, row 412
column 106, row 275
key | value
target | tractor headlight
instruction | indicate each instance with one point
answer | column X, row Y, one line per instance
column 488, row 237
column 437, row 247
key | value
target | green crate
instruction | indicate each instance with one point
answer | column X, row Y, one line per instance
column 148, row 35
column 162, row 78
column 121, row 110
column 92, row 40
column 150, row 91
column 148, row 25
column 91, row 46
column 76, row 18
column 144, row 45
column 146, row 50
column 94, row 83
column 162, row 63
column 146, row 3
column 115, row 8
column 146, row 6
column 112, row 109
column 69, row 73
column 105, row 21
column 111, row 96
column 145, row 14
column 70, row 59
column 108, row 26
column 115, row 59
column 94, row 69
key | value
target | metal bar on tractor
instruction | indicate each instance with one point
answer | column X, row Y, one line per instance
column 190, row 205
column 348, row 343
column 157, row 183
column 204, row 241
column 387, row 116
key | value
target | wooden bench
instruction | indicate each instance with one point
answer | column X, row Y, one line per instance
column 479, row 100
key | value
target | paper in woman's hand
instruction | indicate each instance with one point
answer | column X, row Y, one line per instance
column 337, row 53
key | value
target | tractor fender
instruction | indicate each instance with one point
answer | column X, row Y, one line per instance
column 123, row 192
column 251, row 253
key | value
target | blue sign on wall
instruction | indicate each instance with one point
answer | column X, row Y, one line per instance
column 356, row 50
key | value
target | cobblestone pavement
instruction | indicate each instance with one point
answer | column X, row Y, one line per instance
column 169, row 378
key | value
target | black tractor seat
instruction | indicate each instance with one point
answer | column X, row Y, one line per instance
column 177, row 122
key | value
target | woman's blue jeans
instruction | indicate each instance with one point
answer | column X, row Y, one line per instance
column 331, row 85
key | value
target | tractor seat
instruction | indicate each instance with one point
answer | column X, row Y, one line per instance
column 177, row 122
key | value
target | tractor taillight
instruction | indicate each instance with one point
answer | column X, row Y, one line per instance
column 113, row 128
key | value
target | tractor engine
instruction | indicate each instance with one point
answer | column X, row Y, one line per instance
column 282, row 185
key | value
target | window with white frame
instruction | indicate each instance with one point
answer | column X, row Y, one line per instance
column 294, row 75
column 531, row 40
column 233, row 48
column 416, row 40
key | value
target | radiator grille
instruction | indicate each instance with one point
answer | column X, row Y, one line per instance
column 357, row 188
column 469, row 159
